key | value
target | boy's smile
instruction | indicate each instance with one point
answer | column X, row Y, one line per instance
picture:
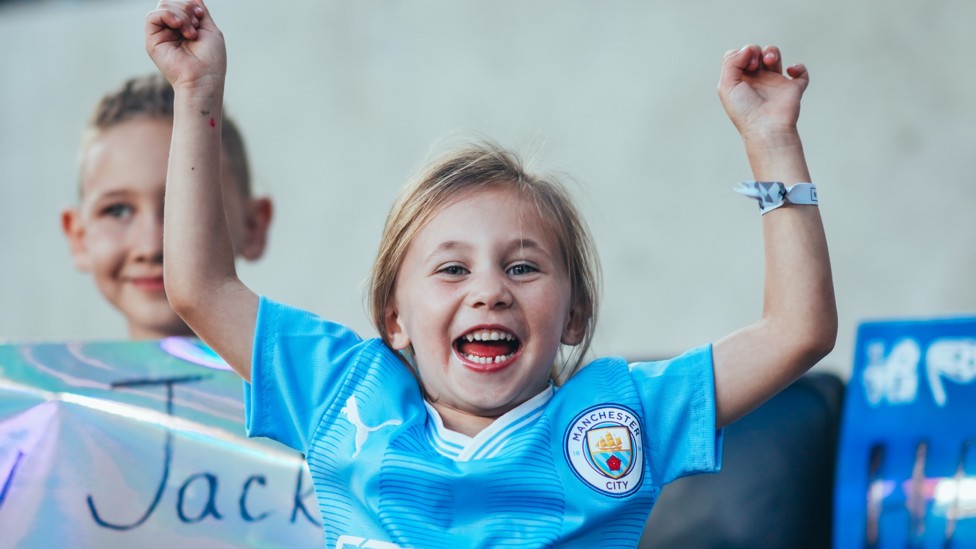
column 147, row 283
column 483, row 298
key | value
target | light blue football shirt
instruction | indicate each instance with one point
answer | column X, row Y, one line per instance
column 579, row 466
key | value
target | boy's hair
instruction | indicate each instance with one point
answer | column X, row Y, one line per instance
column 151, row 96
column 480, row 166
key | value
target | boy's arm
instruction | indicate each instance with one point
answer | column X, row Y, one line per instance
column 198, row 260
column 798, row 325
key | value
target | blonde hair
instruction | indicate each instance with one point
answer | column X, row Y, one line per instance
column 151, row 97
column 475, row 167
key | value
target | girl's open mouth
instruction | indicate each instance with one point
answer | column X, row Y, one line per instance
column 487, row 349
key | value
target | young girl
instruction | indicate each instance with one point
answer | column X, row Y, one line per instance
column 116, row 230
column 454, row 428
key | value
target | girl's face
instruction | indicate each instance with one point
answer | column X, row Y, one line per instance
column 116, row 232
column 483, row 297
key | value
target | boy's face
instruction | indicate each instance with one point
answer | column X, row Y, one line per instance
column 483, row 297
column 116, row 232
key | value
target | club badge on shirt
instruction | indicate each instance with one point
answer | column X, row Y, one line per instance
column 603, row 447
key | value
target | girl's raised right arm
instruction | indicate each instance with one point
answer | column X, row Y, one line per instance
column 198, row 260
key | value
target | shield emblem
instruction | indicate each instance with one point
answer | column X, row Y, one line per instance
column 610, row 450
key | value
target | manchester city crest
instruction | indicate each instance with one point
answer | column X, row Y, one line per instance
column 604, row 449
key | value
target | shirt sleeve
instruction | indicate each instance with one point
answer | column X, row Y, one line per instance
column 298, row 362
column 679, row 396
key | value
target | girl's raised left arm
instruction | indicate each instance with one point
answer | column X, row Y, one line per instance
column 798, row 325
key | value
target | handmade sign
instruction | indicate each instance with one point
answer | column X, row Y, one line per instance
column 906, row 473
column 140, row 444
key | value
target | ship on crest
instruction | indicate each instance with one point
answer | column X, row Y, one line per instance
column 609, row 444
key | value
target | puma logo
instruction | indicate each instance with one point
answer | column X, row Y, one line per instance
column 351, row 411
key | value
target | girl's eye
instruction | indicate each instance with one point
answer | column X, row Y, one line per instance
column 521, row 269
column 119, row 211
column 454, row 270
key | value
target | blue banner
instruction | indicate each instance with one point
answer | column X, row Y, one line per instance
column 906, row 472
column 140, row 444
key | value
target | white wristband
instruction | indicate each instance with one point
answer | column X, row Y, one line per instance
column 773, row 194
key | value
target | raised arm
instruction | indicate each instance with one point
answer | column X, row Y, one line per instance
column 198, row 259
column 798, row 325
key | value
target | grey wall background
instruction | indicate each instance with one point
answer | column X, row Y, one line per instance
column 340, row 101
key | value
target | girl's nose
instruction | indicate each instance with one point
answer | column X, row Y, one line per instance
column 489, row 290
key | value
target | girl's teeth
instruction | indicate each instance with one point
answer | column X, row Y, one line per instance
column 488, row 335
column 487, row 359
